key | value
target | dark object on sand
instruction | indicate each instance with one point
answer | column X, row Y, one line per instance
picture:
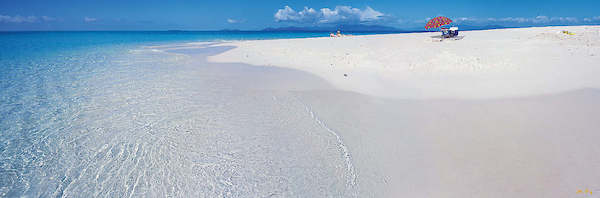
column 345, row 75
column 449, row 33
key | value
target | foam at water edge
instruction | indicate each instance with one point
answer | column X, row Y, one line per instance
column 352, row 176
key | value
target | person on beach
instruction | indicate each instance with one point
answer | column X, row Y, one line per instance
column 339, row 33
column 331, row 34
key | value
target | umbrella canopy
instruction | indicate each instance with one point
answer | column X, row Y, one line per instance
column 437, row 22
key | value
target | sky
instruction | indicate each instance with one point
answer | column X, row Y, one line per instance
column 259, row 14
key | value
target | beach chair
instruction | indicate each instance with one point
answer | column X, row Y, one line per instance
column 445, row 33
column 453, row 31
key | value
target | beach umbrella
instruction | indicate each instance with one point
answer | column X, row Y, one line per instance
column 437, row 22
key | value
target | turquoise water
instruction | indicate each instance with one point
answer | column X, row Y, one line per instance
column 16, row 44
column 116, row 114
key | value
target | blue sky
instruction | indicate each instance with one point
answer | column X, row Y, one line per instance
column 258, row 14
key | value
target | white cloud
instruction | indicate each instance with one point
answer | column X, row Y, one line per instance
column 592, row 19
column 514, row 19
column 47, row 18
column 541, row 19
column 536, row 20
column 507, row 21
column 468, row 19
column 233, row 21
column 17, row 19
column 565, row 19
column 423, row 20
column 340, row 14
column 369, row 14
column 89, row 19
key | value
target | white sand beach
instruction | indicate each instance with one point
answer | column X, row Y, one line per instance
column 484, row 64
column 499, row 113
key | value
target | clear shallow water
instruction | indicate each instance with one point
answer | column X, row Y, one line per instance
column 102, row 114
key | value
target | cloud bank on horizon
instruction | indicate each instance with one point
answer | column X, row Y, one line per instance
column 89, row 19
column 349, row 15
column 235, row 21
column 592, row 19
column 24, row 19
column 340, row 14
column 533, row 20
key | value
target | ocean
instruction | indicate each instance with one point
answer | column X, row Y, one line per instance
column 138, row 114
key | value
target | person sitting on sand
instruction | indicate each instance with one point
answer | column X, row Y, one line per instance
column 331, row 34
column 339, row 34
